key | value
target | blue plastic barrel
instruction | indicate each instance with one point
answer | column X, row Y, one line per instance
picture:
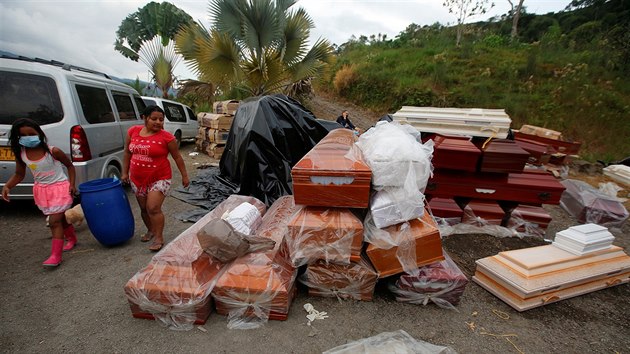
column 107, row 211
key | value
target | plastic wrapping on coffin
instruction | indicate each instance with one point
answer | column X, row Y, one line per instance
column 175, row 287
column 442, row 283
column 354, row 281
column 446, row 209
column 326, row 177
column 482, row 213
column 328, row 234
column 589, row 205
column 261, row 285
column 529, row 220
column 403, row 247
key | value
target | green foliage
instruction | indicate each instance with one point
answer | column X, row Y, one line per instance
column 568, row 73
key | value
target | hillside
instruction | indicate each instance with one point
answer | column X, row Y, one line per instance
column 565, row 71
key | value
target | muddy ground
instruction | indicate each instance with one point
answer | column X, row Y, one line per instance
column 81, row 307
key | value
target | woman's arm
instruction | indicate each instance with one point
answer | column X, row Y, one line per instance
column 179, row 161
column 126, row 160
column 18, row 176
column 61, row 157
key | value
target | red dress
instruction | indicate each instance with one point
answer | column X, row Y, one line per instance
column 149, row 157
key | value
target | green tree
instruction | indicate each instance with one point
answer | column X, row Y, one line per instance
column 464, row 9
column 138, row 85
column 147, row 35
column 256, row 46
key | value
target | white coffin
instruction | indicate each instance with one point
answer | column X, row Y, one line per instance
column 620, row 173
column 584, row 239
column 459, row 121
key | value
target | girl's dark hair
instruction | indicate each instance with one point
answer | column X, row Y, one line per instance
column 150, row 109
column 14, row 136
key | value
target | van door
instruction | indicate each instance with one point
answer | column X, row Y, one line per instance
column 192, row 125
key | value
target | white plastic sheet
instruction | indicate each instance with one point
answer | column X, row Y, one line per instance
column 398, row 342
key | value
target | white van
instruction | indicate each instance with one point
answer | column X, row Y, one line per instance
column 180, row 119
column 83, row 112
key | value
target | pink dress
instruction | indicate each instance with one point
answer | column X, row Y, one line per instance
column 51, row 190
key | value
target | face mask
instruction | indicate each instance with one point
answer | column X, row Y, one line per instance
column 29, row 141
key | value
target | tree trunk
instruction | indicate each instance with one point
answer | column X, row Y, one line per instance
column 517, row 15
column 459, row 34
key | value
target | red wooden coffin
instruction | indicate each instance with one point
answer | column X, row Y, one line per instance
column 526, row 187
column 455, row 153
column 446, row 208
column 175, row 287
column 324, row 177
column 345, row 281
column 529, row 219
column 539, row 153
column 441, row 282
column 428, row 246
column 502, row 156
column 261, row 283
column 565, row 147
column 483, row 212
column 329, row 234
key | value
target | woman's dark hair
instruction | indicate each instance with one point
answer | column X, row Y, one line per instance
column 150, row 109
column 14, row 136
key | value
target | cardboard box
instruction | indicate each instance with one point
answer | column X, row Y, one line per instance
column 215, row 150
column 215, row 121
column 542, row 132
column 225, row 107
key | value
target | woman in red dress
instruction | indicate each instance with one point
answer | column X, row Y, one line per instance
column 147, row 169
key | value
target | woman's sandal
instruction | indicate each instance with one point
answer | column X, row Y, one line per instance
column 146, row 237
column 156, row 246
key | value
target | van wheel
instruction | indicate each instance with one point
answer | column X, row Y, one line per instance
column 112, row 171
column 178, row 137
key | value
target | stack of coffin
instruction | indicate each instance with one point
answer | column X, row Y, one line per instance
column 324, row 233
column 457, row 121
column 261, row 285
column 175, row 287
column 545, row 145
column 537, row 276
column 500, row 177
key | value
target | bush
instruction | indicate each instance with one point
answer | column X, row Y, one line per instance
column 344, row 79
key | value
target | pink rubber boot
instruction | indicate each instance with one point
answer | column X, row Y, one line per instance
column 55, row 253
column 70, row 236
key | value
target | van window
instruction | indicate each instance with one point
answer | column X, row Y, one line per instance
column 124, row 106
column 149, row 102
column 29, row 96
column 191, row 114
column 140, row 104
column 95, row 104
column 174, row 112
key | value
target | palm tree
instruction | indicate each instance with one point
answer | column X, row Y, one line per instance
column 257, row 46
column 147, row 35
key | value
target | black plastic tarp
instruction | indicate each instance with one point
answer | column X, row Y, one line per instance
column 269, row 135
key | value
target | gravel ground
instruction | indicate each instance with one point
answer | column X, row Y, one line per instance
column 81, row 307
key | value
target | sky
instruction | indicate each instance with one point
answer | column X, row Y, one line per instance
column 82, row 32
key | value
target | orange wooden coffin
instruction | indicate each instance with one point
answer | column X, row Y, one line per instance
column 324, row 177
column 526, row 187
column 483, row 212
column 175, row 287
column 328, row 234
column 261, row 283
column 455, row 153
column 346, row 281
column 503, row 156
column 428, row 247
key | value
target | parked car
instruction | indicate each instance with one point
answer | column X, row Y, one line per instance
column 83, row 112
column 180, row 119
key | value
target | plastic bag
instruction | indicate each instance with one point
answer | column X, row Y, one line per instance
column 219, row 239
column 399, row 342
column 354, row 281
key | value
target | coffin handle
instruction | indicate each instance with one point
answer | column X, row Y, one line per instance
column 485, row 191
column 615, row 281
column 544, row 196
column 548, row 299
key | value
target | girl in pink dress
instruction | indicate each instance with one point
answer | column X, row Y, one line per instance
column 147, row 168
column 52, row 190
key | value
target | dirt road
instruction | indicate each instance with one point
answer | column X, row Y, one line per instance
column 81, row 307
